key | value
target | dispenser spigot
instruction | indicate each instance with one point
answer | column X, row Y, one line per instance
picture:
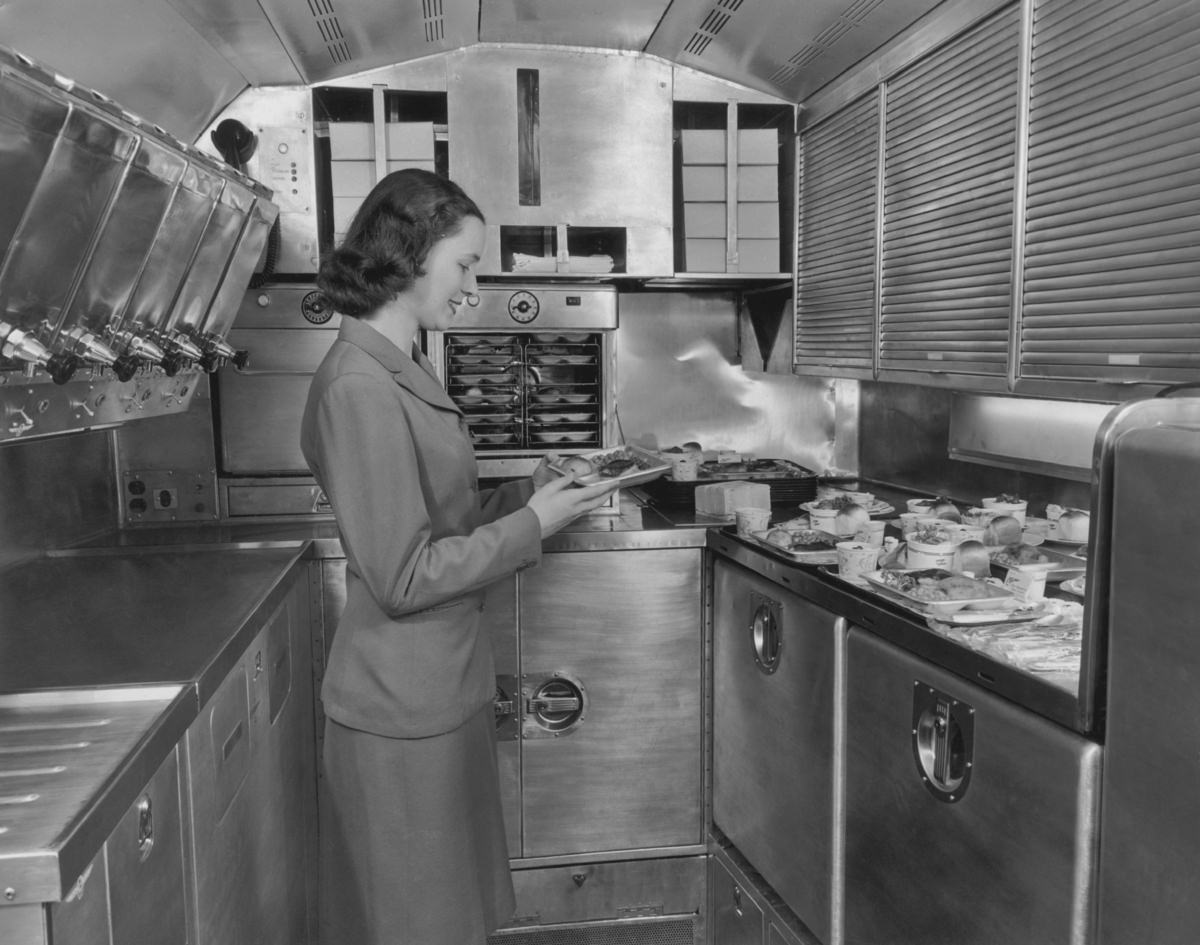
column 81, row 342
column 19, row 345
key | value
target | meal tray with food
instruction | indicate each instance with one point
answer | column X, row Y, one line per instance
column 789, row 482
column 1058, row 565
column 624, row 465
column 938, row 591
column 804, row 546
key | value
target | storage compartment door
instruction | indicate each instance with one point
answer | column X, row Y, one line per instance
column 611, row 684
column 969, row 821
column 773, row 737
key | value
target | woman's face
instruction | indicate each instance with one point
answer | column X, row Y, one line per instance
column 449, row 276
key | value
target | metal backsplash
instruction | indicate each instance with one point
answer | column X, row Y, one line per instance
column 681, row 377
column 904, row 440
column 57, row 492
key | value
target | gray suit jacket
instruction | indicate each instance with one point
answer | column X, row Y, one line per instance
column 392, row 453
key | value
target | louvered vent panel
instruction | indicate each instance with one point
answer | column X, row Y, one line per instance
column 714, row 21
column 331, row 30
column 435, row 21
column 1112, row 272
column 949, row 167
column 835, row 281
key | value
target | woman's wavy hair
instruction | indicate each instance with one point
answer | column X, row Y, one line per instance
column 390, row 237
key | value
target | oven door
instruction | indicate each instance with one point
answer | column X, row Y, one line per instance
column 260, row 406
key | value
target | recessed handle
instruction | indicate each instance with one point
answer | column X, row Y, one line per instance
column 766, row 634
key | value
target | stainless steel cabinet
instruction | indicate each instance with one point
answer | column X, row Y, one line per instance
column 774, row 660
column 737, row 916
column 132, row 893
column 610, row 677
column 968, row 819
column 252, row 791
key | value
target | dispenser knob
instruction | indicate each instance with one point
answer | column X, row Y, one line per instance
column 125, row 367
column 241, row 359
column 62, row 367
column 172, row 363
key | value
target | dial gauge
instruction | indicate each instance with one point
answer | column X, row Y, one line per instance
column 316, row 308
column 523, row 307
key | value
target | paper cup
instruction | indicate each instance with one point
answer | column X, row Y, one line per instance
column 921, row 555
column 874, row 534
column 1015, row 509
column 824, row 520
column 685, row 467
column 751, row 520
column 909, row 521
column 856, row 558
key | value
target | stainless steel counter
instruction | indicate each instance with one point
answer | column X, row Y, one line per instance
column 106, row 656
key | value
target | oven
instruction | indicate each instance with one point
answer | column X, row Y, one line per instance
column 532, row 368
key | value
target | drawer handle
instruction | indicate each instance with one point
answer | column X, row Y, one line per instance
column 145, row 833
column 764, row 634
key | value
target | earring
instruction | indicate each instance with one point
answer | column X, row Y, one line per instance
column 472, row 299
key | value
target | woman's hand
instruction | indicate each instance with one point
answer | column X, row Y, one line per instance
column 543, row 474
column 559, row 502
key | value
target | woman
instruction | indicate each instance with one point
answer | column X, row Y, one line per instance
column 414, row 849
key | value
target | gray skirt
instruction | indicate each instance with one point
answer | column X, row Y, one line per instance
column 412, row 837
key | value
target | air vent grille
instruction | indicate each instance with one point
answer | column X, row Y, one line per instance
column 852, row 16
column 715, row 21
column 435, row 21
column 330, row 29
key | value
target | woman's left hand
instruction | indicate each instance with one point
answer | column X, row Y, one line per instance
column 543, row 474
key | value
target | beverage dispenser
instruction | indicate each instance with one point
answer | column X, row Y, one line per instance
column 67, row 207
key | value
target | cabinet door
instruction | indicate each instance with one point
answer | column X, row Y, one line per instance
column 773, row 737
column 611, row 680
column 253, row 789
column 145, row 866
column 737, row 918
column 969, row 821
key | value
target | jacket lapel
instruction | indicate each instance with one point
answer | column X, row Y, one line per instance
column 415, row 376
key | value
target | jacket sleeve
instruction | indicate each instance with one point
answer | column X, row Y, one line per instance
column 505, row 498
column 367, row 462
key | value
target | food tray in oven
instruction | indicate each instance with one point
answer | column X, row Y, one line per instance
column 645, row 466
column 563, row 395
column 493, row 439
column 563, row 359
column 479, row 377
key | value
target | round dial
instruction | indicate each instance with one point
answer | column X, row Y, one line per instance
column 523, row 307
column 316, row 308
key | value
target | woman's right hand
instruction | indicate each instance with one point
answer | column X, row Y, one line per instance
column 560, row 502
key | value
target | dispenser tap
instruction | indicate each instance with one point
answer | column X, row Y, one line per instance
column 218, row 352
column 179, row 350
column 19, row 345
column 82, row 343
column 135, row 351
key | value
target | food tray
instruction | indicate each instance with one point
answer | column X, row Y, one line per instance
column 878, row 507
column 790, row 484
column 989, row 597
column 818, row 556
column 1059, row 565
column 650, row 466
column 958, row 618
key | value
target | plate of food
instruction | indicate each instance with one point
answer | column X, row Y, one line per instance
column 877, row 507
column 803, row 545
column 940, row 592
column 624, row 465
column 1058, row 565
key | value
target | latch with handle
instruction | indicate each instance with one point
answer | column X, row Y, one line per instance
column 943, row 741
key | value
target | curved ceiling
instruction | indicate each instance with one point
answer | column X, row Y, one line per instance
column 179, row 62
